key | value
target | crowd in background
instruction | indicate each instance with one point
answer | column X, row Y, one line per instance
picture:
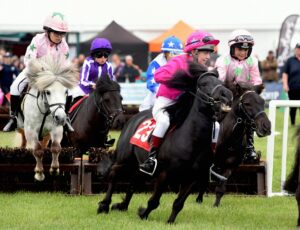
column 125, row 70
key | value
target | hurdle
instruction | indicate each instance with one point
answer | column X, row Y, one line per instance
column 286, row 104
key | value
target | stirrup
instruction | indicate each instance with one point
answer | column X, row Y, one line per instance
column 154, row 168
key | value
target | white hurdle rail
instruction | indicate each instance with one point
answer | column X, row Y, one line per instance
column 271, row 141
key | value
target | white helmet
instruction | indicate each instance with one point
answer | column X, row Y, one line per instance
column 242, row 39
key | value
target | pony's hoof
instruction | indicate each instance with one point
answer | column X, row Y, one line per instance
column 142, row 213
column 54, row 171
column 119, row 207
column 39, row 176
column 102, row 208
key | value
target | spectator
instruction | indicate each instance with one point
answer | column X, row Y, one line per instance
column 81, row 59
column 171, row 46
column 269, row 68
column 8, row 73
column 95, row 66
column 130, row 71
column 291, row 80
column 117, row 65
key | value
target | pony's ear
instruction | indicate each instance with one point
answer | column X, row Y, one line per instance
column 259, row 88
column 215, row 72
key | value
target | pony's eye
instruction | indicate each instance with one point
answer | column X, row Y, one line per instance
column 47, row 92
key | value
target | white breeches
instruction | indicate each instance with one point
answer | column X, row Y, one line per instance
column 148, row 101
column 161, row 116
column 19, row 84
column 215, row 132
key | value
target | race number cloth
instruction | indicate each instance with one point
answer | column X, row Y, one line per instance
column 142, row 135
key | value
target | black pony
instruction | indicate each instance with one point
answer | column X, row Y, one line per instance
column 185, row 155
column 247, row 113
column 93, row 118
column 292, row 183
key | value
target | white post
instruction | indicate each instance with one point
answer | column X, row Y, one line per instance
column 284, row 146
column 270, row 147
column 271, row 141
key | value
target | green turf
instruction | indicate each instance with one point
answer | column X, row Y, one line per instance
column 58, row 211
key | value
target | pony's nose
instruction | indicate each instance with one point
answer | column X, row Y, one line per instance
column 59, row 120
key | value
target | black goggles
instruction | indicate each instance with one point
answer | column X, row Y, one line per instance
column 101, row 54
column 243, row 38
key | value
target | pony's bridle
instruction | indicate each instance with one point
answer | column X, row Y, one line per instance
column 207, row 99
column 48, row 110
column 101, row 108
column 249, row 120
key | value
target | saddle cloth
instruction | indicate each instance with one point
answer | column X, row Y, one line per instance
column 143, row 133
column 73, row 107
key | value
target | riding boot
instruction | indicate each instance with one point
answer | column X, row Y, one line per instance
column 149, row 166
column 250, row 154
column 14, row 109
column 68, row 127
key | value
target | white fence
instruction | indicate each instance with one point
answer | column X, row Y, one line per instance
column 271, row 141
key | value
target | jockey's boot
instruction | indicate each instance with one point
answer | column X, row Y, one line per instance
column 14, row 108
column 149, row 166
column 251, row 156
column 68, row 127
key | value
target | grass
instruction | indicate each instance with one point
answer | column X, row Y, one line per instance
column 59, row 211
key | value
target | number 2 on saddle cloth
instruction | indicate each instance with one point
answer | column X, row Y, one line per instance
column 143, row 133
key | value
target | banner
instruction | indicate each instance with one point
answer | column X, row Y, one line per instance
column 286, row 33
column 133, row 93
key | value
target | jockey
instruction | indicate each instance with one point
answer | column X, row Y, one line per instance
column 200, row 44
column 51, row 42
column 240, row 66
column 95, row 66
column 171, row 46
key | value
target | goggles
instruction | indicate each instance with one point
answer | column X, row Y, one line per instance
column 243, row 38
column 204, row 40
column 101, row 54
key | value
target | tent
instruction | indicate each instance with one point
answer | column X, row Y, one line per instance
column 123, row 43
column 180, row 30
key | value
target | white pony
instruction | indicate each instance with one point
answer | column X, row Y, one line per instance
column 44, row 107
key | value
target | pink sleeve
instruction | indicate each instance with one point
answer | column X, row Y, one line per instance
column 255, row 77
column 165, row 73
column 222, row 68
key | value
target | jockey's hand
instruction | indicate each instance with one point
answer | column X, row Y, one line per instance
column 93, row 86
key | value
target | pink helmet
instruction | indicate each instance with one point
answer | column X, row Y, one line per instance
column 56, row 21
column 200, row 39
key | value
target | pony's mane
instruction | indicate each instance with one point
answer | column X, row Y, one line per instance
column 105, row 84
column 186, row 81
column 44, row 71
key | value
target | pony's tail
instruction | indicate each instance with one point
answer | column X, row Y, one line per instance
column 292, row 180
